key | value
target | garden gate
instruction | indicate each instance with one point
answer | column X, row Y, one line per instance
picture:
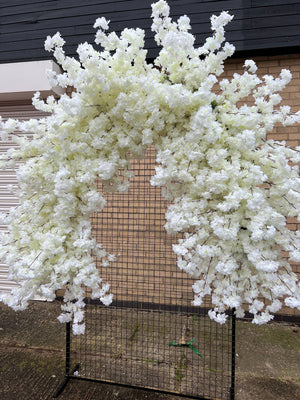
column 151, row 336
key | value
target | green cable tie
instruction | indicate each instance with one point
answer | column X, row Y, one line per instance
column 186, row 344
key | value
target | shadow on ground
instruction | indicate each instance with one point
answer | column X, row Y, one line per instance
column 32, row 361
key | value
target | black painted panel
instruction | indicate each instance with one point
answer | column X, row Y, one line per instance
column 257, row 24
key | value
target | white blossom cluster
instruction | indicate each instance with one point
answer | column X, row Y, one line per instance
column 231, row 188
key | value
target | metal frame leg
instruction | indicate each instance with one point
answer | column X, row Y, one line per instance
column 232, row 387
column 62, row 386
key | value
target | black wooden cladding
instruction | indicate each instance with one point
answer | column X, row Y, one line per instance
column 258, row 25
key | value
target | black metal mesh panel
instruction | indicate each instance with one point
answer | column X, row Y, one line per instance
column 151, row 336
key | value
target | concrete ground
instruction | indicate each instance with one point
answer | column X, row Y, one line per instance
column 32, row 361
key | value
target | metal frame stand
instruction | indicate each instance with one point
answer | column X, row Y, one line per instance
column 69, row 374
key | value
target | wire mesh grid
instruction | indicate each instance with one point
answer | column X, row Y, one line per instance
column 151, row 336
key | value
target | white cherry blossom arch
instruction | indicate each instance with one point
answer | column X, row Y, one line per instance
column 231, row 188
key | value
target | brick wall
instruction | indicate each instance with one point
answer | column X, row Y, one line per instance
column 131, row 225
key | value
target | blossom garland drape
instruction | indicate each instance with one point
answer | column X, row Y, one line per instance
column 231, row 188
